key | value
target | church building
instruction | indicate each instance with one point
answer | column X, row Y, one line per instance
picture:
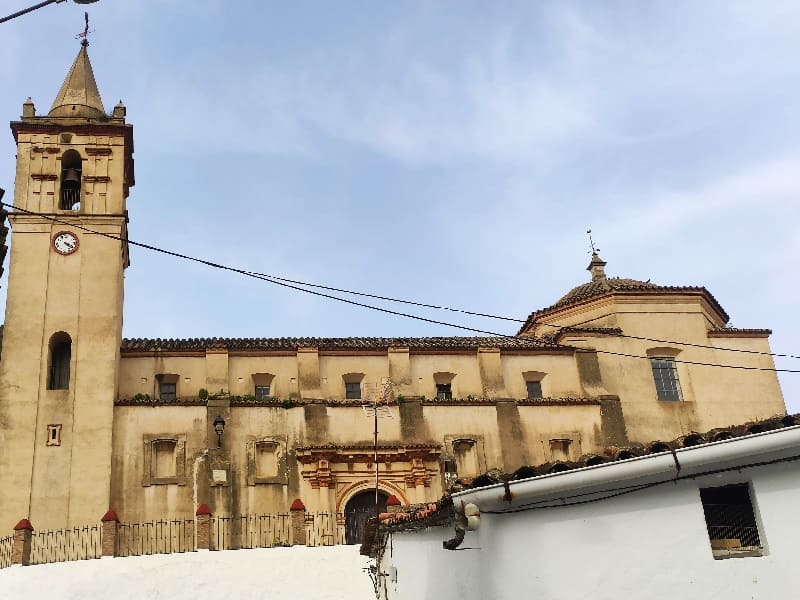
column 151, row 428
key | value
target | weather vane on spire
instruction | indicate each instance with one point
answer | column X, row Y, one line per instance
column 84, row 35
column 593, row 250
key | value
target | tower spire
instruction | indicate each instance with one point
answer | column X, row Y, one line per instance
column 79, row 96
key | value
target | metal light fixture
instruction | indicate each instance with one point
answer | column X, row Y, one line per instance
column 219, row 428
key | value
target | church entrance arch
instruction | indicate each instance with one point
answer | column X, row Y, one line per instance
column 358, row 510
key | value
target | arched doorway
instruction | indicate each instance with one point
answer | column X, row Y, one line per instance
column 358, row 510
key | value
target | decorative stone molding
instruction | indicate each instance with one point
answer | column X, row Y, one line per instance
column 97, row 178
column 98, row 151
column 44, row 177
column 150, row 476
column 258, row 450
column 45, row 150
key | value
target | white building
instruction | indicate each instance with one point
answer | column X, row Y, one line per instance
column 715, row 520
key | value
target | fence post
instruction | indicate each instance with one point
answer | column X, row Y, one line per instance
column 392, row 504
column 298, row 512
column 21, row 550
column 108, row 536
column 203, row 514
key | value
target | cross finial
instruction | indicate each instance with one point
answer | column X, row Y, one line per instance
column 593, row 249
column 84, row 35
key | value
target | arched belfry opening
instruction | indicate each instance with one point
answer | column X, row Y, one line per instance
column 358, row 510
column 60, row 357
column 71, row 169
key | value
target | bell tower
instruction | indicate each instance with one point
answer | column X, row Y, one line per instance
column 63, row 323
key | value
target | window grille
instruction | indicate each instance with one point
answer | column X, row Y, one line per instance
column 534, row 389
column 665, row 375
column 262, row 392
column 444, row 391
column 167, row 391
column 352, row 390
column 731, row 521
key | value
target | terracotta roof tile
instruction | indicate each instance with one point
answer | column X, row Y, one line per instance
column 738, row 331
column 613, row 453
column 345, row 343
column 618, row 285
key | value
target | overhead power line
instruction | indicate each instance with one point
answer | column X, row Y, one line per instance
column 515, row 320
column 298, row 287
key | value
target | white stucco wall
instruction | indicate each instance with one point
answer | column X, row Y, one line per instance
column 648, row 544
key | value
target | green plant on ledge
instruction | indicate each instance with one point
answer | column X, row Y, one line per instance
column 203, row 394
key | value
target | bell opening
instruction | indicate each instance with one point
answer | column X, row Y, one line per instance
column 71, row 165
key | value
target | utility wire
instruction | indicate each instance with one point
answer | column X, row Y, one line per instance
column 276, row 281
column 515, row 320
column 499, row 317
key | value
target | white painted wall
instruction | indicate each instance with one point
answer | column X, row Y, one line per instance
column 648, row 544
column 299, row 572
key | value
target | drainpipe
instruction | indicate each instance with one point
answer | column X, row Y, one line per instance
column 469, row 521
column 644, row 469
column 195, row 470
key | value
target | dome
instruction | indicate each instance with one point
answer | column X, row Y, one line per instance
column 601, row 286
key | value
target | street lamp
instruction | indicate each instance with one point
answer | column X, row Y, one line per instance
column 219, row 428
column 42, row 5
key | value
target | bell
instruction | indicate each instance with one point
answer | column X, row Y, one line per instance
column 71, row 179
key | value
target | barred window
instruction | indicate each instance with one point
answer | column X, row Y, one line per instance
column 352, row 390
column 262, row 392
column 731, row 521
column 167, row 391
column 665, row 374
column 444, row 391
column 534, row 389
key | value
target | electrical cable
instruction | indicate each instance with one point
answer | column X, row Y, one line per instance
column 515, row 320
column 276, row 281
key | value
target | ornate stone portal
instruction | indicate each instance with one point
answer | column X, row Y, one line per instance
column 404, row 470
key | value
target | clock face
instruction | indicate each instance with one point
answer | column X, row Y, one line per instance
column 65, row 242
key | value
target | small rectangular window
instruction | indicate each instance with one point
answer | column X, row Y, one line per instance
column 444, row 391
column 559, row 449
column 167, row 391
column 352, row 390
column 53, row 435
column 534, row 389
column 731, row 521
column 262, row 392
column 665, row 375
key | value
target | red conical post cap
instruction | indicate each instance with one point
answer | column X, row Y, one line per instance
column 297, row 505
column 109, row 516
column 23, row 524
column 203, row 510
column 392, row 501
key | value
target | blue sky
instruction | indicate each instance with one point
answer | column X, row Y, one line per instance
column 451, row 152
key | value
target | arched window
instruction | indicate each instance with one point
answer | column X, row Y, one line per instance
column 71, row 167
column 60, row 357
